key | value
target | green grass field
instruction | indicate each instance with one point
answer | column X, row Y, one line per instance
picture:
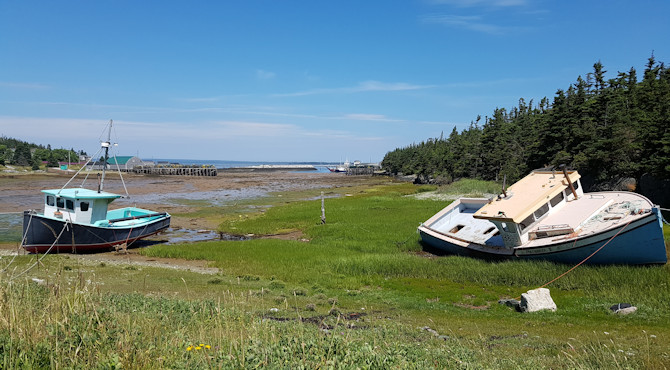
column 356, row 292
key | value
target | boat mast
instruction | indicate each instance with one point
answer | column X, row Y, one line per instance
column 105, row 144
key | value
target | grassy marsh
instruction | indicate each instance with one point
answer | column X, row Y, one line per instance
column 355, row 292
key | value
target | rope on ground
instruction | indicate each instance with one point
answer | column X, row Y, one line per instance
column 587, row 258
column 591, row 255
column 39, row 260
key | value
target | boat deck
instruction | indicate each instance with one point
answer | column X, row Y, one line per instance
column 592, row 213
column 457, row 222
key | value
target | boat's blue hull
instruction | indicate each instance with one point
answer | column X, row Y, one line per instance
column 640, row 242
column 42, row 232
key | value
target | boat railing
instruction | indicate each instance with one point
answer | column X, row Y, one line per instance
column 159, row 214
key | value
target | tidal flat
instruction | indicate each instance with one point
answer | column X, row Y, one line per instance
column 357, row 291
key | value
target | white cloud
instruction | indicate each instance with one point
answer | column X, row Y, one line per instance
column 369, row 117
column 469, row 22
column 265, row 75
column 24, row 85
column 481, row 3
column 365, row 86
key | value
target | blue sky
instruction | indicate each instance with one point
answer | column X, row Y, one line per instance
column 298, row 80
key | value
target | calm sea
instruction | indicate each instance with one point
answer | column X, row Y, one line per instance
column 320, row 166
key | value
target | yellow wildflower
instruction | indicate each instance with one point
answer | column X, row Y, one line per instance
column 208, row 346
column 198, row 348
column 189, row 348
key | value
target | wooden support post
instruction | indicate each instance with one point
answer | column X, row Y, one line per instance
column 572, row 188
column 323, row 209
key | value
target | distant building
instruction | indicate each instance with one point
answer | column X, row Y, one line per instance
column 124, row 162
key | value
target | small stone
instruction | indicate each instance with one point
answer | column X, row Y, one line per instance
column 619, row 306
column 537, row 300
column 39, row 281
column 510, row 303
column 274, row 309
column 626, row 311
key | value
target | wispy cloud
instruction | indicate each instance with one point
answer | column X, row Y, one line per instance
column 265, row 75
column 365, row 86
column 481, row 3
column 24, row 85
column 369, row 117
column 468, row 22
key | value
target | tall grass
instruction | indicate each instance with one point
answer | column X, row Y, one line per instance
column 72, row 320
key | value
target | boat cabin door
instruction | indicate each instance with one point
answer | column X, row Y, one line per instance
column 510, row 233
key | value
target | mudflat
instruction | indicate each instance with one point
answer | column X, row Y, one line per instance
column 173, row 194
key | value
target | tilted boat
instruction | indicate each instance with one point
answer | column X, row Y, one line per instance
column 546, row 215
column 78, row 219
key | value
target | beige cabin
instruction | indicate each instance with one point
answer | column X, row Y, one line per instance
column 528, row 201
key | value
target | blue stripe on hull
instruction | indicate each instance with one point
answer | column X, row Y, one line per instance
column 639, row 244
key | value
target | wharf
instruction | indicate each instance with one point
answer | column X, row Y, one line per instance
column 271, row 167
column 174, row 171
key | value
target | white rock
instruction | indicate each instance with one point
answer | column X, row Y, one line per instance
column 626, row 311
column 537, row 300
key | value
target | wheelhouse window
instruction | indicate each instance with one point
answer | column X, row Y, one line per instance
column 575, row 185
column 50, row 200
column 60, row 202
column 541, row 211
column 69, row 204
column 527, row 222
column 557, row 199
column 83, row 206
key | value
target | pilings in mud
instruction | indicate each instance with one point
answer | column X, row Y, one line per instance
column 176, row 171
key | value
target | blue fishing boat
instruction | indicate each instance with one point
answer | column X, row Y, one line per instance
column 77, row 220
column 547, row 216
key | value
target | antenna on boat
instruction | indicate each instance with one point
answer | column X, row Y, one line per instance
column 504, row 186
column 105, row 144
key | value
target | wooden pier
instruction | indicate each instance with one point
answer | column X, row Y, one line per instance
column 175, row 171
column 361, row 171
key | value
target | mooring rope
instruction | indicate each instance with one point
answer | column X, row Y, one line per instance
column 39, row 260
column 591, row 255
column 23, row 239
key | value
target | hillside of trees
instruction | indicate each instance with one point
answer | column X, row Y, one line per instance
column 21, row 153
column 605, row 128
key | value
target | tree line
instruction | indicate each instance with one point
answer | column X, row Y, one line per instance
column 21, row 153
column 605, row 128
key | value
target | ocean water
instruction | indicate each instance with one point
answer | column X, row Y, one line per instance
column 320, row 166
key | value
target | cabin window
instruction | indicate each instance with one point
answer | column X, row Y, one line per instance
column 50, row 200
column 504, row 227
column 83, row 206
column 541, row 211
column 489, row 230
column 527, row 222
column 60, row 202
column 557, row 199
column 575, row 185
column 69, row 204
